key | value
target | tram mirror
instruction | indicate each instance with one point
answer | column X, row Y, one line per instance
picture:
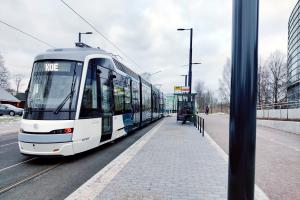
column 113, row 76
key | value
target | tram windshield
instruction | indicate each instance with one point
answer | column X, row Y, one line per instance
column 54, row 86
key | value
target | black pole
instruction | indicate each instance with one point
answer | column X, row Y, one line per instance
column 190, row 64
column 203, row 128
column 185, row 80
column 241, row 170
column 200, row 123
column 79, row 37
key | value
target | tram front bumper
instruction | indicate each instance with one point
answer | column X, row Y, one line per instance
column 46, row 144
column 53, row 149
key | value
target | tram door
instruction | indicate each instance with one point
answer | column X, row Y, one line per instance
column 106, row 91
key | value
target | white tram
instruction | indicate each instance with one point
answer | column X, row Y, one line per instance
column 81, row 98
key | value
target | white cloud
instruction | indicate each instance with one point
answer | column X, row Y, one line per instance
column 144, row 29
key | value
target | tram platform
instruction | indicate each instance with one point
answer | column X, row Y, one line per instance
column 172, row 161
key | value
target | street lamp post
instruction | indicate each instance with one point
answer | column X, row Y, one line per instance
column 190, row 63
column 190, row 60
column 79, row 35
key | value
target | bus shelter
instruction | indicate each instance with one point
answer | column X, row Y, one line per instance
column 185, row 106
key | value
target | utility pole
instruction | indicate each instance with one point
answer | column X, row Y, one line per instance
column 190, row 64
column 242, row 131
column 190, row 60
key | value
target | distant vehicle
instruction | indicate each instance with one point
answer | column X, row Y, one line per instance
column 81, row 98
column 7, row 109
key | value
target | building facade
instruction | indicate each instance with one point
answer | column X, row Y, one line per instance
column 7, row 98
column 293, row 62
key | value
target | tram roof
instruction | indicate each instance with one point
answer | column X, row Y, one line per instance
column 77, row 54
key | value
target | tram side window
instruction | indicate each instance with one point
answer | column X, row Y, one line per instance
column 127, row 96
column 154, row 103
column 135, row 96
column 146, row 99
column 119, row 94
column 103, row 62
column 89, row 104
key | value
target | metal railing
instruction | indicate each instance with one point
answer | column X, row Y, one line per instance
column 281, row 105
column 199, row 124
column 279, row 111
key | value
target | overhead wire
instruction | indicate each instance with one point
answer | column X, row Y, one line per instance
column 101, row 34
column 27, row 34
column 86, row 21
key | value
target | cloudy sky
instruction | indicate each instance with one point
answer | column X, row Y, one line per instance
column 144, row 29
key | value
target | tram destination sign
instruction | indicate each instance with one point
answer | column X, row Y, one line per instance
column 50, row 67
column 60, row 66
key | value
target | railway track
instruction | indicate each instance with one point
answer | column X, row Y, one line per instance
column 23, row 177
column 11, row 140
column 20, row 181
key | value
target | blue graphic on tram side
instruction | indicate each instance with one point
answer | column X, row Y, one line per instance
column 128, row 121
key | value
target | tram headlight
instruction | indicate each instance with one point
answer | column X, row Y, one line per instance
column 68, row 130
column 63, row 131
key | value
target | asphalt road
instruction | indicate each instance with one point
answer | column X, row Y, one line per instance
column 277, row 157
column 24, row 177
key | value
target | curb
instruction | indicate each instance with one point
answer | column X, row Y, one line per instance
column 93, row 187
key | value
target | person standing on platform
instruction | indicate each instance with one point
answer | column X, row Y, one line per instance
column 184, row 113
column 207, row 110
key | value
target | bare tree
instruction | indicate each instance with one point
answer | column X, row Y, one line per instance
column 205, row 97
column 259, row 72
column 263, row 84
column 225, row 82
column 200, row 90
column 271, row 80
column 278, row 75
column 209, row 99
column 4, row 74
column 18, row 78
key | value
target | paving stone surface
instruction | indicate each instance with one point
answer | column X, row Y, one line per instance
column 176, row 163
